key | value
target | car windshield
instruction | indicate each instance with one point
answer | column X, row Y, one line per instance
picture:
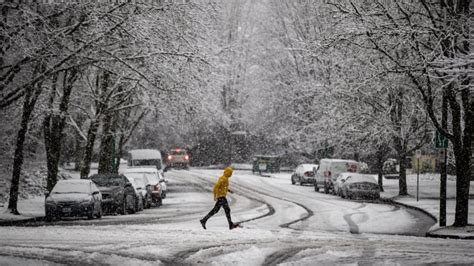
column 66, row 187
column 178, row 152
column 148, row 162
column 105, row 181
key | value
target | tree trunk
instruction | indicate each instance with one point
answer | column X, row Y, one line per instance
column 462, row 153
column 53, row 127
column 31, row 97
column 89, row 149
column 379, row 165
column 402, row 181
column 107, row 145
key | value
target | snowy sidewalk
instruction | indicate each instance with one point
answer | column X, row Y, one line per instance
column 429, row 202
column 30, row 209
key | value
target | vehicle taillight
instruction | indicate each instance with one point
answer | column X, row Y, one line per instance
column 309, row 173
column 186, row 157
column 157, row 187
column 170, row 157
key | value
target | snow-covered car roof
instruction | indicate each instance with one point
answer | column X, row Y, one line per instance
column 309, row 167
column 141, row 170
column 339, row 161
column 72, row 186
column 359, row 178
column 145, row 154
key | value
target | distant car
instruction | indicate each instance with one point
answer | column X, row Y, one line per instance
column 304, row 173
column 178, row 158
column 360, row 186
column 340, row 179
column 71, row 198
column 139, row 183
column 139, row 186
column 329, row 169
column 118, row 194
column 150, row 181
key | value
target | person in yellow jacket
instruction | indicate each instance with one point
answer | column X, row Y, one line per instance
column 220, row 192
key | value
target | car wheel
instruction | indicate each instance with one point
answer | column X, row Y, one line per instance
column 163, row 195
column 90, row 214
column 293, row 180
column 159, row 202
column 99, row 213
column 49, row 217
column 301, row 181
column 123, row 208
column 316, row 188
column 326, row 189
column 132, row 206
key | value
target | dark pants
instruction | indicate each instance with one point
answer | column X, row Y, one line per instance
column 221, row 202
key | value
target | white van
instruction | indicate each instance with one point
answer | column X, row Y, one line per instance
column 328, row 171
column 146, row 158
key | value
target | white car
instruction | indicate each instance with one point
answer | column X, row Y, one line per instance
column 140, row 184
column 304, row 173
column 156, row 175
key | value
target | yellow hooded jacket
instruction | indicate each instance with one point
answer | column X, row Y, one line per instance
column 222, row 185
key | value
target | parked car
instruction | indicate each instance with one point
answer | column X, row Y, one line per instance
column 139, row 186
column 304, row 173
column 146, row 158
column 360, row 186
column 118, row 195
column 340, row 179
column 329, row 169
column 70, row 198
column 139, row 183
column 178, row 158
column 150, row 181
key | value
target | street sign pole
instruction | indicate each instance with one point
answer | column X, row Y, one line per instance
column 442, row 192
column 418, row 155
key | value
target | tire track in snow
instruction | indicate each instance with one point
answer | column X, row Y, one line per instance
column 74, row 258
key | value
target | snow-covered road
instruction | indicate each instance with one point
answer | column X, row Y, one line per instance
column 283, row 224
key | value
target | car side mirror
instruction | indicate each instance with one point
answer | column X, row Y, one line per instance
column 95, row 192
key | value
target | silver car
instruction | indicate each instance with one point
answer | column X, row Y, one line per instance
column 73, row 198
column 360, row 186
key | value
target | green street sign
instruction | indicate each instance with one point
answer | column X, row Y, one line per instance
column 441, row 142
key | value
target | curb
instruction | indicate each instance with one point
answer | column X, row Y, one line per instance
column 21, row 222
column 434, row 235
column 431, row 234
column 391, row 201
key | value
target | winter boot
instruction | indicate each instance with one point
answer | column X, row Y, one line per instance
column 203, row 223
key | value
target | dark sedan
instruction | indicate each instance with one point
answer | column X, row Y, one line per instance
column 360, row 186
column 118, row 195
column 73, row 198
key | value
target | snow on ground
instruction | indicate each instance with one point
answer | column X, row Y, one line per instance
column 172, row 233
column 429, row 191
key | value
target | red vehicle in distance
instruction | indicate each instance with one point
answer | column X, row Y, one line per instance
column 178, row 158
